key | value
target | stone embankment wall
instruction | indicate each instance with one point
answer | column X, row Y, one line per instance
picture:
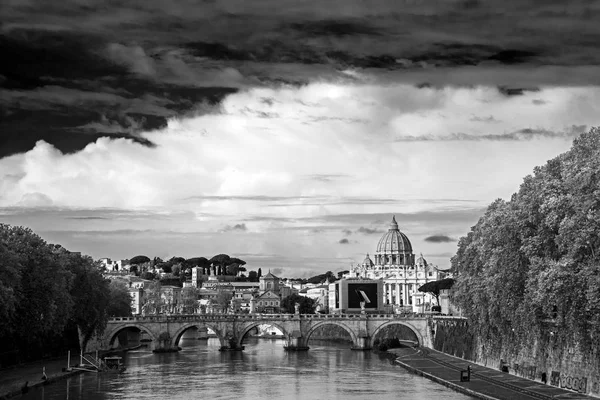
column 567, row 368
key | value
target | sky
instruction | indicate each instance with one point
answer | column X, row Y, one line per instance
column 285, row 133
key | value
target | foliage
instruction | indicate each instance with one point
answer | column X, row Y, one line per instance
column 47, row 294
column 322, row 278
column 307, row 305
column 152, row 298
column 434, row 287
column 176, row 270
column 252, row 276
column 537, row 256
column 148, row 275
column 234, row 260
column 119, row 304
column 90, row 294
column 386, row 343
column 166, row 267
column 222, row 301
column 220, row 260
column 201, row 262
column 139, row 260
column 189, row 299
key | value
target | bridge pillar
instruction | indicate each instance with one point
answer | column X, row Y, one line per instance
column 231, row 343
column 296, row 342
column 363, row 342
column 164, row 344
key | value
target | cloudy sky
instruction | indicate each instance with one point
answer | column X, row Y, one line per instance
column 286, row 133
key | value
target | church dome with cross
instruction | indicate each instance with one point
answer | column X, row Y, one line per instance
column 394, row 248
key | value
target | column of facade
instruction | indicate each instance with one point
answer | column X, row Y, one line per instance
column 398, row 294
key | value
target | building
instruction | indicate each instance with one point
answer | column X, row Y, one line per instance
column 113, row 265
column 269, row 282
column 395, row 264
column 267, row 302
column 320, row 294
column 353, row 295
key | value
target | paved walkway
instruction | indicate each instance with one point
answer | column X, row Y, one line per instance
column 14, row 378
column 485, row 383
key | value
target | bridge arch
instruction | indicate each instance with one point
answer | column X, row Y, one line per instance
column 179, row 332
column 111, row 335
column 415, row 330
column 251, row 325
column 353, row 335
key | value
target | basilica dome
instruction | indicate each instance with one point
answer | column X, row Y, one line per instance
column 394, row 248
column 394, row 241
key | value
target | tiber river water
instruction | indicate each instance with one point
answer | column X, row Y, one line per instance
column 262, row 371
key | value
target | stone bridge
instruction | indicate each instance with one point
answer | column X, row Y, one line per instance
column 166, row 330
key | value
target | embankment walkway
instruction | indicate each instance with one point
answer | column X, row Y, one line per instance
column 486, row 383
column 12, row 379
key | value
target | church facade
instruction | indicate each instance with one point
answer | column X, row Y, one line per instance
column 394, row 263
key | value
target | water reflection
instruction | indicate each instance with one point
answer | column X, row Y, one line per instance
column 262, row 370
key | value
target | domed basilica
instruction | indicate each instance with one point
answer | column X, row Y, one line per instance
column 394, row 262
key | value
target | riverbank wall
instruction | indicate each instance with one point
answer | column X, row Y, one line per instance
column 559, row 366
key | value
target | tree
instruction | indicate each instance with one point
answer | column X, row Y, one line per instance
column 176, row 270
column 223, row 300
column 152, row 298
column 10, row 286
column 259, row 273
column 252, row 276
column 434, row 287
column 90, row 294
column 167, row 268
column 139, row 260
column 119, row 304
column 232, row 269
column 307, row 305
column 536, row 257
column 189, row 299
column 39, row 304
column 220, row 260
column 148, row 275
column 238, row 261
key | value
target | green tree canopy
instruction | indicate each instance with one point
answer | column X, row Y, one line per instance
column 119, row 304
column 139, row 260
column 221, row 260
column 238, row 261
column 307, row 305
column 201, row 262
column 537, row 256
column 90, row 294
column 434, row 287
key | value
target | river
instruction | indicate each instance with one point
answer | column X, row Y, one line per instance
column 262, row 371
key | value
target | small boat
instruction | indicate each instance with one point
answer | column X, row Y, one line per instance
column 114, row 364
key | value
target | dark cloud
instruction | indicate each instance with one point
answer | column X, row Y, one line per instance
column 236, row 227
column 521, row 134
column 161, row 60
column 326, row 178
column 369, row 231
column 344, row 241
column 347, row 232
column 439, row 239
column 89, row 218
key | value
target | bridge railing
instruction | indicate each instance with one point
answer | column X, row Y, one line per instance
column 250, row 317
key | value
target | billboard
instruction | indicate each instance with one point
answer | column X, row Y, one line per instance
column 359, row 292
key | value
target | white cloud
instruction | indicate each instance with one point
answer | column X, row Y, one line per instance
column 265, row 142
